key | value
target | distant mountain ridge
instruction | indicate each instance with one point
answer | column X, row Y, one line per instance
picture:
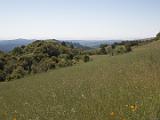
column 8, row 45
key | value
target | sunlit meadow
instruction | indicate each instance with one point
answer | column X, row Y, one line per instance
column 123, row 87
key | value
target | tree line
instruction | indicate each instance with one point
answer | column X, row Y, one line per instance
column 120, row 47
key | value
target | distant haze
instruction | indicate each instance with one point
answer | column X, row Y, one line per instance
column 79, row 19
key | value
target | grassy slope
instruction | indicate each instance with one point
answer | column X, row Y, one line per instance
column 89, row 91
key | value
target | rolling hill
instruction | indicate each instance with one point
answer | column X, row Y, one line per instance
column 122, row 87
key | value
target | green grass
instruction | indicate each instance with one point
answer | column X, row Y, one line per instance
column 90, row 91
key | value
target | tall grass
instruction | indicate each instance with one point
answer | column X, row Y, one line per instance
column 124, row 87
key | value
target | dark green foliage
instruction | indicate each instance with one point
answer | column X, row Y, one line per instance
column 63, row 43
column 128, row 48
column 39, row 56
column 77, row 58
column 55, row 59
column 66, row 56
column 64, row 63
column 25, row 62
column 1, row 65
column 120, row 48
column 103, row 45
column 158, row 36
column 2, row 75
column 50, row 50
column 103, row 51
column 19, row 72
column 86, row 58
column 17, row 51
column 45, row 65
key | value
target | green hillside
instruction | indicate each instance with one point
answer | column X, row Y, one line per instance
column 37, row 57
column 122, row 87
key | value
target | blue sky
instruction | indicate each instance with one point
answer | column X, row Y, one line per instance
column 79, row 19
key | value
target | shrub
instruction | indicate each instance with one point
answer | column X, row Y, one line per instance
column 128, row 48
column 35, row 68
column 64, row 63
column 103, row 50
column 86, row 58
column 17, row 51
column 55, row 59
column 19, row 72
column 1, row 64
column 39, row 56
column 66, row 56
column 26, row 62
column 2, row 76
column 63, row 43
column 74, row 61
column 47, row 64
column 158, row 36
column 109, row 50
column 63, row 56
column 120, row 50
column 77, row 58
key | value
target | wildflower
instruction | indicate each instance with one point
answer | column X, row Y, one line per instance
column 112, row 113
column 134, row 107
column 83, row 96
column 133, row 110
column 14, row 118
column 73, row 110
column 126, row 105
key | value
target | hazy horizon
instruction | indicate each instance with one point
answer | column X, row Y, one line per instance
column 79, row 19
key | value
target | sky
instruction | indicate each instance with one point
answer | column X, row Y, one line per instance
column 79, row 19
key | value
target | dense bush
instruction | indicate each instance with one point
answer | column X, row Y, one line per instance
column 1, row 65
column 17, row 51
column 102, row 51
column 2, row 75
column 119, row 50
column 39, row 56
column 116, row 48
column 128, row 48
column 64, row 63
column 47, row 64
column 124, row 46
column 158, row 36
column 19, row 72
column 86, row 58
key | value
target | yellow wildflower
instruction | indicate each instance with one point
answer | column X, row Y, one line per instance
column 132, row 107
column 112, row 113
column 126, row 105
column 14, row 118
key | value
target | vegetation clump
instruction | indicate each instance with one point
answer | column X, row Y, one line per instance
column 120, row 47
column 39, row 56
